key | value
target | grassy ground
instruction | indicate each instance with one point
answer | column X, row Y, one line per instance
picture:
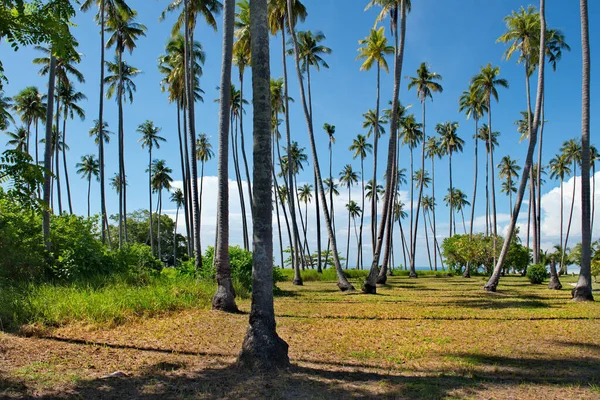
column 429, row 338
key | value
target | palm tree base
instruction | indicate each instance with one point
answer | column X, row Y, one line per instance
column 582, row 293
column 413, row 275
column 346, row 287
column 263, row 350
column 224, row 300
column 367, row 288
column 381, row 279
column 467, row 273
column 554, row 284
column 297, row 282
column 490, row 286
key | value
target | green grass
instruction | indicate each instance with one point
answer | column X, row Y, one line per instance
column 106, row 301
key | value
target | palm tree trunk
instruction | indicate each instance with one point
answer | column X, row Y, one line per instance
column 276, row 194
column 348, row 242
column 64, row 154
column 451, row 193
column 463, row 220
column 188, row 185
column 389, row 243
column 467, row 273
column 158, row 223
column 238, row 177
column 404, row 249
column 104, row 215
column 539, row 181
column 492, row 283
column 593, row 195
column 287, row 223
column 362, row 212
column 150, row 197
column 184, row 179
column 89, row 191
column 330, row 201
column 224, row 299
column 571, row 212
column 57, row 157
column 560, row 269
column 427, row 241
column 262, row 349
column 48, row 151
column 375, row 147
column 369, row 285
column 318, row 218
column 583, row 290
column 536, row 251
column 343, row 283
column 492, row 177
column 295, row 261
column 175, row 237
column 189, row 74
column 242, row 144
column 487, row 191
column 433, row 211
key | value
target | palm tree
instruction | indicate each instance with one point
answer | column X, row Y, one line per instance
column 594, row 158
column 305, row 196
column 485, row 136
column 425, row 84
column 18, row 139
column 105, row 8
column 360, row 147
column 88, row 168
column 560, row 169
column 161, row 180
column 354, row 211
column 473, row 104
column 433, row 150
column 508, row 169
column 204, row 153
column 428, row 206
column 69, row 98
column 262, row 349
column 178, row 198
column 30, row 105
column 487, row 81
column 399, row 215
column 150, row 139
column 572, row 151
column 451, row 143
column 348, row 178
column 373, row 50
column 5, row 117
column 124, row 32
column 329, row 185
column 310, row 56
column 102, row 137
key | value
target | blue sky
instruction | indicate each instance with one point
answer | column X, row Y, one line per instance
column 455, row 38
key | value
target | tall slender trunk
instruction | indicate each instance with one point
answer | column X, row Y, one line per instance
column 158, row 224
column 532, row 208
column 560, row 269
column 318, row 218
column 509, row 194
column 242, row 144
column 433, row 211
column 57, row 157
column 287, row 223
column 583, row 290
column 89, row 191
column 64, row 155
column 487, row 191
column 291, row 200
column 224, row 299
column 104, row 215
column 593, row 195
column 238, row 177
column 330, row 200
column 451, row 193
column 536, row 250
column 570, row 213
column 413, row 273
column 188, row 185
column 348, row 242
column 467, row 272
column 539, row 181
column 343, row 283
column 150, row 198
column 404, row 249
column 184, row 179
column 175, row 237
column 276, row 194
column 492, row 283
column 375, row 152
column 48, row 151
column 120, row 141
column 362, row 213
column 492, row 178
column 528, row 219
column 427, row 241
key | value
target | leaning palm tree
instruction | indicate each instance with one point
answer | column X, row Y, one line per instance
column 373, row 50
column 360, row 147
column 306, row 58
column 451, row 143
column 178, row 198
column 348, row 178
column 88, row 168
column 262, row 348
column 509, row 170
column 161, row 180
column 487, row 81
column 150, row 139
column 426, row 84
column 560, row 169
column 69, row 98
column 572, row 151
column 124, row 32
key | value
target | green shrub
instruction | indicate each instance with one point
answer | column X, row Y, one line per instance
column 136, row 258
column 537, row 273
column 595, row 269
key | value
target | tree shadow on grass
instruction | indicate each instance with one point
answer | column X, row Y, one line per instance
column 487, row 304
column 308, row 380
column 592, row 347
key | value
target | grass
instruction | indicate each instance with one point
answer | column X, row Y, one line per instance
column 426, row 338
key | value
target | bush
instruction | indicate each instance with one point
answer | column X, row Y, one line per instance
column 595, row 269
column 136, row 258
column 537, row 273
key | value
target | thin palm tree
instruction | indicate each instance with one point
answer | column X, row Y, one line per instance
column 485, row 136
column 426, row 84
column 150, row 139
column 509, row 170
column 30, row 105
column 428, row 207
column 354, row 211
column 69, row 97
column 594, row 158
column 101, row 138
column 348, row 178
column 572, row 151
column 18, row 139
column 305, row 196
column 204, row 153
column 360, row 147
column 451, row 143
column 5, row 117
column 487, row 81
column 123, row 34
column 88, row 168
column 178, row 198
column 374, row 48
column 560, row 169
column 161, row 180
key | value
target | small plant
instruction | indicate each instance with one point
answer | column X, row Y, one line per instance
column 537, row 273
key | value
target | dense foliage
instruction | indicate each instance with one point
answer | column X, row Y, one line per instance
column 537, row 273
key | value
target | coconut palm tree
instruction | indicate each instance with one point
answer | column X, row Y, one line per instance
column 572, row 151
column 426, row 84
column 161, row 180
column 69, row 98
column 594, row 157
column 88, row 168
column 105, row 8
column 348, row 178
column 354, row 211
column 560, row 169
column 5, row 117
column 487, row 81
column 428, row 206
column 204, row 153
column 485, row 136
column 329, row 185
column 473, row 104
column 451, row 143
column 262, row 349
column 305, row 196
column 101, row 138
column 30, row 105
column 18, row 139
column 433, row 150
column 360, row 147
column 373, row 51
column 508, row 169
column 178, row 198
column 150, row 139
column 399, row 215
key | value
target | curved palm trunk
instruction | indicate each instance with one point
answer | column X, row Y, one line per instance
column 570, row 215
column 188, row 184
column 427, row 241
column 48, row 152
column 318, row 217
column 362, row 214
column 343, row 283
column 413, row 273
column 262, row 349
column 389, row 243
column 348, row 242
column 150, row 197
column 238, row 178
column 375, row 147
column 57, row 157
column 184, row 178
column 532, row 208
column 492, row 283
column 242, row 140
column 295, row 261
column 539, row 182
column 64, row 155
column 224, row 299
column 583, row 290
column 330, row 202
column 369, row 285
